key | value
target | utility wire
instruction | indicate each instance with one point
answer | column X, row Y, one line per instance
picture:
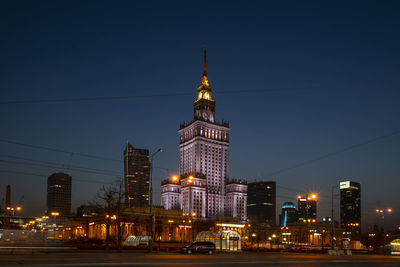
column 58, row 150
column 55, row 166
column 103, row 98
column 44, row 176
column 63, row 166
column 336, row 152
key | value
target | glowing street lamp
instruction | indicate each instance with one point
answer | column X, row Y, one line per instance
column 12, row 210
column 55, row 214
column 382, row 212
column 175, row 178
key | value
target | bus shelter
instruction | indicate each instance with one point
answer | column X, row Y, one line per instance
column 228, row 240
column 395, row 247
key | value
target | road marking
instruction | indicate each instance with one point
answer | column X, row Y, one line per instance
column 168, row 263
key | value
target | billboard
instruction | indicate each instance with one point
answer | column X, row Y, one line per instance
column 344, row 185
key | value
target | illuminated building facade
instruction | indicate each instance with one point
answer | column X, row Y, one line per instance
column 137, row 175
column 307, row 208
column 236, row 199
column 171, row 198
column 289, row 214
column 350, row 207
column 59, row 194
column 203, row 156
column 261, row 202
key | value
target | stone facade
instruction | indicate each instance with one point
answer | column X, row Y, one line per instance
column 204, row 165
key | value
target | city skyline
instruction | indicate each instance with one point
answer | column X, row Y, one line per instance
column 288, row 100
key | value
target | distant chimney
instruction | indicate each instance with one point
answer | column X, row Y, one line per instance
column 7, row 208
column 8, row 196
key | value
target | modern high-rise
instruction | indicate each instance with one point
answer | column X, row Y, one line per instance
column 137, row 176
column 261, row 202
column 204, row 163
column 289, row 214
column 59, row 187
column 350, row 207
column 307, row 207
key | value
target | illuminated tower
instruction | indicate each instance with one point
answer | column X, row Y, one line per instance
column 289, row 214
column 261, row 202
column 59, row 194
column 137, row 175
column 204, row 152
column 307, row 207
column 350, row 207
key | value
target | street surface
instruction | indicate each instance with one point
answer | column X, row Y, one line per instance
column 100, row 258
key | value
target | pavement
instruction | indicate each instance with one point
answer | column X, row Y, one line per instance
column 101, row 258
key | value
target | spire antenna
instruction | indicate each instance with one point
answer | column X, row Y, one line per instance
column 205, row 61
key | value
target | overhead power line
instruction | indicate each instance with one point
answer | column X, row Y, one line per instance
column 59, row 165
column 127, row 97
column 331, row 154
column 46, row 175
column 58, row 150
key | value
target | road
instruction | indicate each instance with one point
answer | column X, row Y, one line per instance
column 99, row 258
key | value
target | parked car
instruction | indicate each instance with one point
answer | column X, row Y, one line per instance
column 198, row 247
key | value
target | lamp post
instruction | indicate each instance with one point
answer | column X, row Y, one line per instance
column 12, row 210
column 55, row 214
column 382, row 213
column 332, row 220
column 151, row 201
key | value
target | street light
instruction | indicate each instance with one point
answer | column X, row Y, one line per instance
column 151, row 201
column 12, row 210
column 55, row 214
column 382, row 212
column 332, row 221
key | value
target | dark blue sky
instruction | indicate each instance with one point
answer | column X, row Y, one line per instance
column 315, row 77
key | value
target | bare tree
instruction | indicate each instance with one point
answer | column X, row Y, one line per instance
column 110, row 200
column 120, row 196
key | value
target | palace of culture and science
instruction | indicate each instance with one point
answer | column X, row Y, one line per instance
column 203, row 189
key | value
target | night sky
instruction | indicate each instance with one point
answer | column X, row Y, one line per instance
column 297, row 80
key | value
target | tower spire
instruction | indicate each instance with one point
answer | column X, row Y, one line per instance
column 205, row 62
column 204, row 81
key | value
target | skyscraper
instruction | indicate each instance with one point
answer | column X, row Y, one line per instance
column 204, row 162
column 261, row 202
column 307, row 207
column 289, row 214
column 204, row 147
column 350, row 207
column 137, row 175
column 59, row 194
